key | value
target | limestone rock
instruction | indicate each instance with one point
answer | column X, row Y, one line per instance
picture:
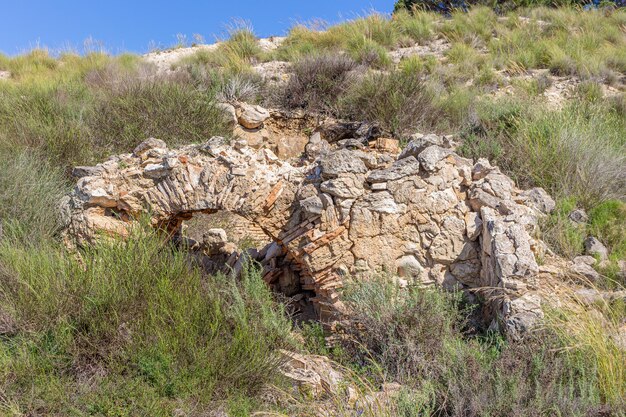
column 311, row 375
column 431, row 156
column 473, row 225
column 251, row 116
column 539, row 199
column 341, row 162
column 214, row 240
column 86, row 171
column 291, row 147
column 594, row 247
column 147, row 145
column 347, row 186
column 254, row 137
column 578, row 216
column 582, row 267
column 481, row 169
column 316, row 146
column 419, row 142
column 408, row 266
column 388, row 145
column 522, row 314
column 400, row 169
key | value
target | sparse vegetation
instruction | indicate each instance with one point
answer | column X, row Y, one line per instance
column 416, row 336
column 75, row 110
column 132, row 328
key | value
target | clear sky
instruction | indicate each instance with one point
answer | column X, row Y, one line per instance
column 133, row 25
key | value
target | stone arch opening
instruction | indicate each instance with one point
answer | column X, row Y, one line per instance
column 426, row 214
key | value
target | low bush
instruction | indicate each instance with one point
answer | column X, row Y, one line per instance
column 171, row 109
column 398, row 102
column 415, row 336
column 235, row 54
column 87, row 108
column 317, row 82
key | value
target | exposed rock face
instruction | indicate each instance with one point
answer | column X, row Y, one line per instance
column 429, row 214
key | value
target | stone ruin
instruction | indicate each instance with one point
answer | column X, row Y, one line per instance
column 343, row 209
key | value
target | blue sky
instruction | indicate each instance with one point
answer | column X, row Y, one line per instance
column 132, row 25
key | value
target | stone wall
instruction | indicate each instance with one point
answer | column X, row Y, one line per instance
column 426, row 214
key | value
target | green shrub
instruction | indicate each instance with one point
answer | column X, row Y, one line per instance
column 419, row 25
column 415, row 336
column 148, row 331
column 575, row 152
column 399, row 102
column 166, row 108
column 316, row 83
column 49, row 117
column 367, row 52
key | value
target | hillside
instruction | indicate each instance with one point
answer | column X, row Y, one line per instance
column 422, row 214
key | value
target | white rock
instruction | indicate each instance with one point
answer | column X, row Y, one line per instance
column 252, row 116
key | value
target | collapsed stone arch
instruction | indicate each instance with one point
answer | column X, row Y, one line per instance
column 426, row 214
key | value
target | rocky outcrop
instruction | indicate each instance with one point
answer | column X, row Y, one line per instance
column 426, row 214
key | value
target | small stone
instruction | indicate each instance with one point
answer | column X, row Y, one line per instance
column 578, row 216
column 156, row 171
column 431, row 156
column 586, row 271
column 348, row 186
column 342, row 161
column 539, row 199
column 316, row 146
column 252, row 116
column 240, row 144
column 312, row 205
column 214, row 239
column 148, row 144
column 473, row 225
column 594, row 247
column 85, row 171
column 388, row 145
column 213, row 145
column 238, row 171
column 585, row 259
column 351, row 144
column 409, row 267
column 402, row 168
column 379, row 186
column 420, row 142
column 481, row 169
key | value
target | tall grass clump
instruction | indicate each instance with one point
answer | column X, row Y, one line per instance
column 399, row 102
column 418, row 26
column 48, row 116
column 169, row 108
column 576, row 152
column 30, row 191
column 235, row 54
column 132, row 327
column 85, row 108
column 317, row 82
